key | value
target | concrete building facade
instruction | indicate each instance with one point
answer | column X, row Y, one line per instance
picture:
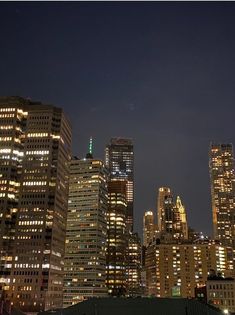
column 86, row 234
column 44, row 144
column 221, row 294
column 182, row 267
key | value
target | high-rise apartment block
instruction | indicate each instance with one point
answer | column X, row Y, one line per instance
column 172, row 218
column 37, row 154
column 119, row 159
column 86, row 234
column 221, row 162
column 116, row 238
column 176, row 269
column 148, row 227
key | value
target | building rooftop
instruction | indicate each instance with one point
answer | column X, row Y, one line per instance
column 137, row 306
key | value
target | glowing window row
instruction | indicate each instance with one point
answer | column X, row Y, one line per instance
column 30, row 222
column 6, row 115
column 35, row 135
column 5, row 138
column 34, row 183
column 42, row 152
column 7, row 109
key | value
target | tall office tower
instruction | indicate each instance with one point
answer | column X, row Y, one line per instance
column 171, row 215
column 86, row 234
column 116, row 238
column 148, row 227
column 221, row 162
column 180, row 220
column 133, row 265
column 12, row 125
column 37, row 271
column 176, row 269
column 119, row 159
column 163, row 194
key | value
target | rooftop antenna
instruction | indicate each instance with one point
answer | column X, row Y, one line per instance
column 90, row 149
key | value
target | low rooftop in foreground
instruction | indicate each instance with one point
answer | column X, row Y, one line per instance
column 137, row 306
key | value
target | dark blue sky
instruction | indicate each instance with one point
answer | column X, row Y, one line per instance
column 162, row 73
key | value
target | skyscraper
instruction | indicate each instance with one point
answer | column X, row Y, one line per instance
column 133, row 265
column 221, row 163
column 180, row 220
column 163, row 194
column 43, row 199
column 148, row 227
column 43, row 136
column 119, row 159
column 172, row 217
column 116, row 238
column 12, row 125
column 85, row 257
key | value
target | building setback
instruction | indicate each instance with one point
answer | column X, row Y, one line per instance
column 85, row 257
column 36, row 279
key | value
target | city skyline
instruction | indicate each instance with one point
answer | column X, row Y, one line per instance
column 65, row 221
column 160, row 73
column 90, row 142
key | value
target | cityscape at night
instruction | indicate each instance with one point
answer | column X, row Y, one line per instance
column 117, row 182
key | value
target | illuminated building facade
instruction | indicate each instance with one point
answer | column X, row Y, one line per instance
column 12, row 125
column 221, row 294
column 119, row 159
column 172, row 219
column 37, row 267
column 116, row 238
column 148, row 227
column 180, row 220
column 86, row 234
column 181, row 267
column 133, row 265
column 164, row 193
column 221, row 162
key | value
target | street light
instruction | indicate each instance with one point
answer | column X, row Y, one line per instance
column 226, row 311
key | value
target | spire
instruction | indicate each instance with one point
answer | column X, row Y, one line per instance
column 91, row 146
column 90, row 149
column 178, row 202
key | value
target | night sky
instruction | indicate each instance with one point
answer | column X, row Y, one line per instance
column 162, row 73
